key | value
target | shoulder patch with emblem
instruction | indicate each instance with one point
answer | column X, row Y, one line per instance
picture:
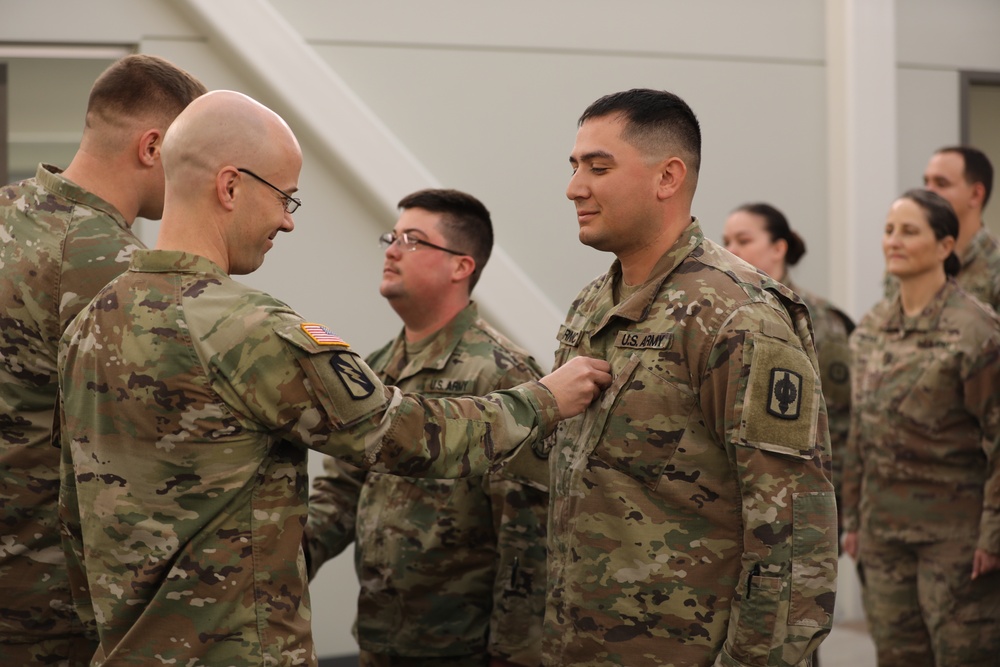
column 785, row 396
column 355, row 380
column 780, row 407
column 321, row 335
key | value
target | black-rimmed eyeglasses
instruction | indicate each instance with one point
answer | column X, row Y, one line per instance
column 409, row 242
column 290, row 203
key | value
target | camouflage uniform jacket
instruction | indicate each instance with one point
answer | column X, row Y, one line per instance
column 831, row 328
column 447, row 567
column 692, row 518
column 980, row 272
column 926, row 422
column 188, row 401
column 59, row 245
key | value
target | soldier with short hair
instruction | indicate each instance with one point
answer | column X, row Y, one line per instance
column 64, row 236
column 692, row 517
column 189, row 403
column 452, row 572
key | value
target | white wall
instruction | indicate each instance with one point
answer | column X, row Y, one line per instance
column 487, row 97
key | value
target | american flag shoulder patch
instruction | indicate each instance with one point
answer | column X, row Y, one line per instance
column 322, row 335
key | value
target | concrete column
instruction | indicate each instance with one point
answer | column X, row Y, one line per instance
column 862, row 139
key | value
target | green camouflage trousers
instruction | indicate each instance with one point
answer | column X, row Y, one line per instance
column 924, row 609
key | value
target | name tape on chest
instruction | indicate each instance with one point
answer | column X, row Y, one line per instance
column 451, row 386
column 643, row 341
column 321, row 335
column 569, row 336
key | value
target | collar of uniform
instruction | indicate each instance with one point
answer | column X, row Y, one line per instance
column 172, row 261
column 636, row 307
column 928, row 318
column 979, row 246
column 435, row 355
column 51, row 178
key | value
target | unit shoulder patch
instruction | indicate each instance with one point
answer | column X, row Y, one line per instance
column 359, row 386
column 785, row 395
column 779, row 410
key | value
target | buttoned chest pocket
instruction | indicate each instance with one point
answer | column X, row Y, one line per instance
column 645, row 417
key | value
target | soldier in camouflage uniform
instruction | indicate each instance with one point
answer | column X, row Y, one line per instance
column 692, row 519
column 451, row 571
column 63, row 236
column 924, row 517
column 964, row 177
column 189, row 401
column 760, row 234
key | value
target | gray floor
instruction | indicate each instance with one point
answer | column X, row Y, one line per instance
column 849, row 645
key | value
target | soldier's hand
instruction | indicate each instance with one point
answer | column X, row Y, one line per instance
column 577, row 383
column 851, row 544
column 983, row 562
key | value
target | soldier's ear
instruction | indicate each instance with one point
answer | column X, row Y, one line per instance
column 150, row 142
column 227, row 183
column 465, row 265
column 672, row 175
column 978, row 194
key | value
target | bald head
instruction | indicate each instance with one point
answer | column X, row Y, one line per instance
column 231, row 166
column 223, row 128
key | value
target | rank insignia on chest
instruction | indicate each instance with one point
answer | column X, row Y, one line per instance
column 322, row 335
column 357, row 383
column 784, row 399
column 637, row 340
column 452, row 386
column 569, row 336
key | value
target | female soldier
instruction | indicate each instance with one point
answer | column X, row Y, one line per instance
column 924, row 523
column 760, row 234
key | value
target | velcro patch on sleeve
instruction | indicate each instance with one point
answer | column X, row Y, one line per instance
column 357, row 383
column 345, row 387
column 780, row 408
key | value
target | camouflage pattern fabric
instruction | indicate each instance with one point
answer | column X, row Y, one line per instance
column 187, row 404
column 692, row 519
column 447, row 567
column 831, row 328
column 926, row 610
column 925, row 442
column 980, row 272
column 59, row 245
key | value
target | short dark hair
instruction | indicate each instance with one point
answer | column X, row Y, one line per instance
column 978, row 168
column 142, row 85
column 656, row 121
column 942, row 219
column 465, row 222
column 777, row 228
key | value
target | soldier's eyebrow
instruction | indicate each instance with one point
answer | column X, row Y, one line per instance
column 591, row 156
